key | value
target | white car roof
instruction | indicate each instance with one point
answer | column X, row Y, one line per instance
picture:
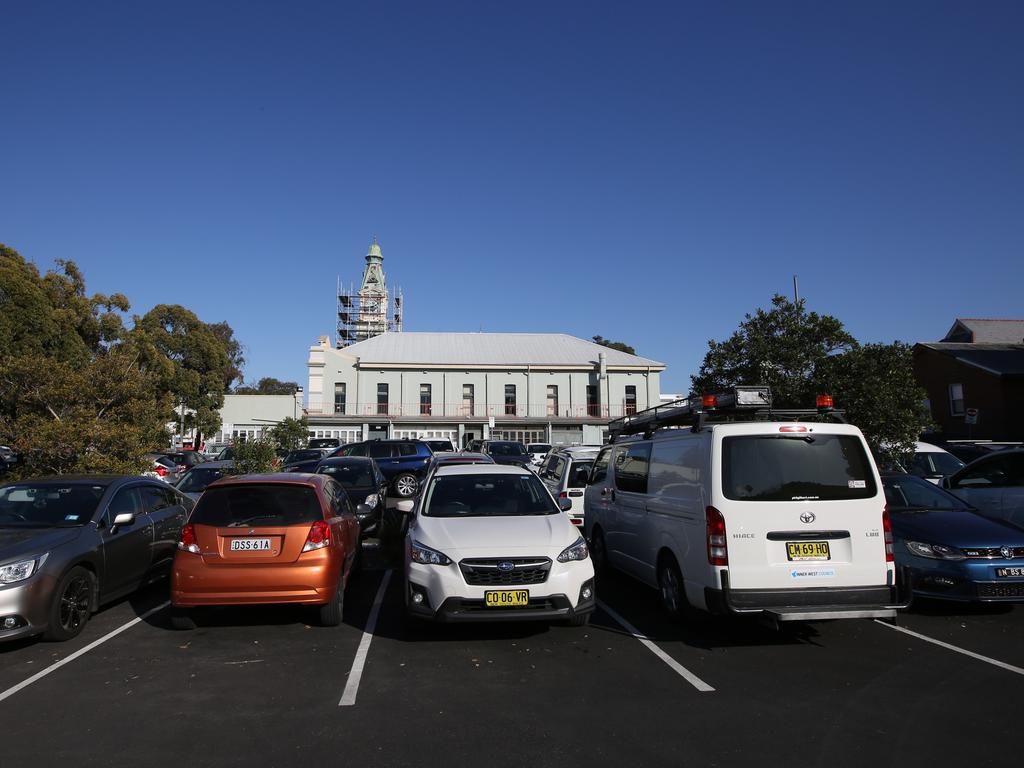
column 481, row 469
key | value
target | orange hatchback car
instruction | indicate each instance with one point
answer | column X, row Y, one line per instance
column 263, row 539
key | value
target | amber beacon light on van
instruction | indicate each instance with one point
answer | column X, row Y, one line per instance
column 748, row 403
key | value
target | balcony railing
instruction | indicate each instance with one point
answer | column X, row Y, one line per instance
column 501, row 411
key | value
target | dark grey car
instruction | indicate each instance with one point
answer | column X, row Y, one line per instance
column 69, row 544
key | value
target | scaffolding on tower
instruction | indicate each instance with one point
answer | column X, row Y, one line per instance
column 368, row 311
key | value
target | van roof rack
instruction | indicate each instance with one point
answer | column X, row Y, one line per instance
column 747, row 403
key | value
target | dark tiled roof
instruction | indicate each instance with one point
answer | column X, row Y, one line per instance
column 986, row 331
column 998, row 359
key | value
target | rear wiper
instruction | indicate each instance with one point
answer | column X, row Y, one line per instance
column 249, row 520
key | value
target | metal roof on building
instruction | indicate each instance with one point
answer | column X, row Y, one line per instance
column 997, row 359
column 414, row 348
column 986, row 331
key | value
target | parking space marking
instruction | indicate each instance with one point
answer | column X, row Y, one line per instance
column 964, row 651
column 674, row 665
column 80, row 652
column 348, row 698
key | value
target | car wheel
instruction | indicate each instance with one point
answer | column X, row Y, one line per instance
column 72, row 604
column 670, row 587
column 598, row 552
column 182, row 618
column 330, row 614
column 406, row 485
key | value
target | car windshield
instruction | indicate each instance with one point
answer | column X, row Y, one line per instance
column 796, row 467
column 439, row 445
column 196, row 480
column 538, row 448
column 506, row 449
column 307, row 454
column 48, row 504
column 263, row 504
column 945, row 463
column 906, row 493
column 486, row 495
column 352, row 475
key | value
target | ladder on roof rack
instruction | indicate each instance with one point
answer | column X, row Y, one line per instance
column 751, row 402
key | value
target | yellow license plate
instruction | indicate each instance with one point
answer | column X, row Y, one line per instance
column 807, row 550
column 506, row 598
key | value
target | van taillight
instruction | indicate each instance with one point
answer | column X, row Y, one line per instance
column 188, row 541
column 887, row 530
column 718, row 553
column 319, row 536
column 563, row 494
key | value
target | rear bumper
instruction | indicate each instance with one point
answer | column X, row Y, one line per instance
column 312, row 579
column 814, row 604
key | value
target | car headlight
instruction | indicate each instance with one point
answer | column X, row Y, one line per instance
column 371, row 501
column 427, row 556
column 14, row 572
column 934, row 551
column 575, row 551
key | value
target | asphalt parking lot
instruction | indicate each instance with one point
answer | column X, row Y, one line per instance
column 263, row 687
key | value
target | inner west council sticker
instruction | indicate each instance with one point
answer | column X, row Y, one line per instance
column 857, row 483
column 821, row 574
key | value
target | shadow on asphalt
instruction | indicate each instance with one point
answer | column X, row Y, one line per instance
column 930, row 607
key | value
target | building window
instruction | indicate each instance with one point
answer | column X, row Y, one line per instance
column 382, row 399
column 339, row 398
column 630, row 400
column 425, row 400
column 552, row 399
column 956, row 399
column 510, row 399
column 468, row 400
column 593, row 401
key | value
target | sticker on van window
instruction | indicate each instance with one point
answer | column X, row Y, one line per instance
column 822, row 574
column 71, row 518
column 857, row 483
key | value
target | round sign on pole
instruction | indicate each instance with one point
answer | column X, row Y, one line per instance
column 971, row 416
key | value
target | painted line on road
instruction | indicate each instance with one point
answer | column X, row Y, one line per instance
column 674, row 665
column 348, row 698
column 80, row 652
column 964, row 651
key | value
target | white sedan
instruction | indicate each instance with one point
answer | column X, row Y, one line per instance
column 488, row 542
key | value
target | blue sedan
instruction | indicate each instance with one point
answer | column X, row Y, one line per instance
column 953, row 552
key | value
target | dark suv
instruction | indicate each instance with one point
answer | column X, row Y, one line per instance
column 507, row 452
column 403, row 462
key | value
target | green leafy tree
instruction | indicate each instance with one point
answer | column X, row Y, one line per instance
column 268, row 386
column 254, row 456
column 875, row 385
column 619, row 345
column 289, row 433
column 782, row 347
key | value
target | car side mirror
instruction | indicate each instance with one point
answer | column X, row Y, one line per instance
column 565, row 504
column 405, row 506
column 362, row 510
column 944, row 483
column 122, row 518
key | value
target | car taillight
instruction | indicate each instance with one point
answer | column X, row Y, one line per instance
column 188, row 541
column 718, row 553
column 160, row 469
column 887, row 531
column 563, row 494
column 182, row 468
column 319, row 536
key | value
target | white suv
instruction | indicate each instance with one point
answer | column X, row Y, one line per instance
column 782, row 519
column 488, row 542
column 565, row 472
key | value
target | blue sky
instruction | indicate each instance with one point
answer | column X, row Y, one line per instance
column 644, row 171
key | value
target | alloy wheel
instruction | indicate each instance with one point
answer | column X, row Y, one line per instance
column 74, row 604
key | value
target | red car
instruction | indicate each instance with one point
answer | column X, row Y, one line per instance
column 265, row 539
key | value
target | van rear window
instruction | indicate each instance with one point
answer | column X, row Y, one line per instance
column 262, row 504
column 804, row 467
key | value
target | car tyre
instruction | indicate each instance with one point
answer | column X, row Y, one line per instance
column 331, row 613
column 598, row 552
column 72, row 604
column 406, row 485
column 182, row 619
column 670, row 587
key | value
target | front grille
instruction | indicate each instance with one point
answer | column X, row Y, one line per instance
column 486, row 572
column 457, row 606
column 1001, row 590
column 991, row 553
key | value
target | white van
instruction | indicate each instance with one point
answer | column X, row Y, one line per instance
column 779, row 518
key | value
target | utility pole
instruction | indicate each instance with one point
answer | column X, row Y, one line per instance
column 796, row 290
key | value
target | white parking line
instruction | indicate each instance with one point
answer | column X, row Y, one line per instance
column 674, row 665
column 964, row 651
column 68, row 659
column 348, row 698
